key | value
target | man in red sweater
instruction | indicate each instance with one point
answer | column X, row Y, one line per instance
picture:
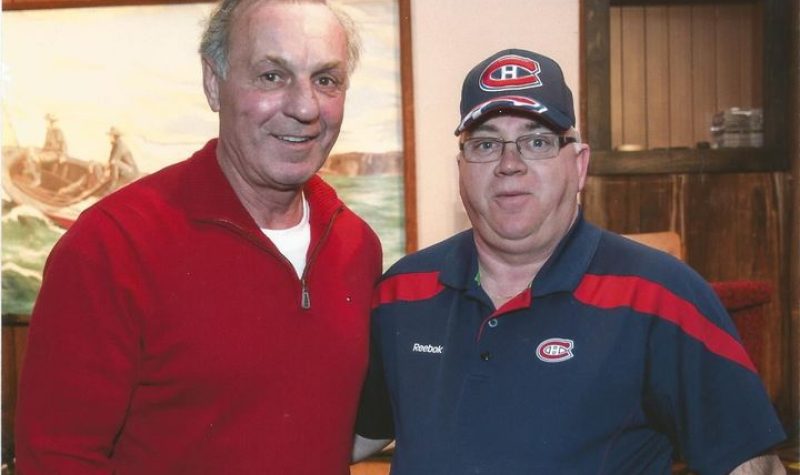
column 213, row 316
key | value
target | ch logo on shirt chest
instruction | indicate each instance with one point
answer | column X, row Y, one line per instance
column 555, row 350
column 420, row 348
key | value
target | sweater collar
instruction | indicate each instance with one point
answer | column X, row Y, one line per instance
column 208, row 196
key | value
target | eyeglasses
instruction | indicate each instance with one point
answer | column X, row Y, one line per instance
column 541, row 146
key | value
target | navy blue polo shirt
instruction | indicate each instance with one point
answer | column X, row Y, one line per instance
column 617, row 357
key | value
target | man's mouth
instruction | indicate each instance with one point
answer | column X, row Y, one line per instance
column 295, row 138
column 510, row 194
column 511, row 198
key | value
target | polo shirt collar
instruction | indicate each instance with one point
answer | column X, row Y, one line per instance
column 562, row 271
column 461, row 263
column 567, row 265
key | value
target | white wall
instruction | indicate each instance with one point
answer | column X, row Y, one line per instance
column 448, row 38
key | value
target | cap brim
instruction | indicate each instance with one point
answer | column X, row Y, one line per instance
column 553, row 118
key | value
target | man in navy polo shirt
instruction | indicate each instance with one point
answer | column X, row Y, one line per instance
column 536, row 342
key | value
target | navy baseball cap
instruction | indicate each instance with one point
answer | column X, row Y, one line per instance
column 517, row 80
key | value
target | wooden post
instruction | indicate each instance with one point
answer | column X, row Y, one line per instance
column 792, row 326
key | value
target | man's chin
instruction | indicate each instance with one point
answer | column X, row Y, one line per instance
column 294, row 179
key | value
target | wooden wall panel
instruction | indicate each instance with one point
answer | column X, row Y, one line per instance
column 9, row 377
column 791, row 323
column 14, row 344
column 615, row 74
column 626, row 205
column 750, row 68
column 703, row 71
column 680, row 78
column 634, row 113
column 657, row 77
column 729, row 223
column 728, row 57
column 739, row 239
column 755, row 68
column 693, row 60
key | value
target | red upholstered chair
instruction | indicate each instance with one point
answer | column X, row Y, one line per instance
column 745, row 301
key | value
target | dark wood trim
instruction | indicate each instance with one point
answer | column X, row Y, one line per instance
column 51, row 4
column 791, row 326
column 14, row 320
column 729, row 160
column 409, row 148
column 671, row 2
column 596, row 77
column 776, row 80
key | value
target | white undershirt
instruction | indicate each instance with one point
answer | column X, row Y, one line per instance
column 293, row 242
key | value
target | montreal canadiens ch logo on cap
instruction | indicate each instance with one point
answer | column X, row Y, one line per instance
column 555, row 350
column 511, row 72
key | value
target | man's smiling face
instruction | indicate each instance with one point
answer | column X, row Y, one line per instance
column 281, row 103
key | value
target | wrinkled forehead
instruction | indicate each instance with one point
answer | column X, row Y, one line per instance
column 289, row 31
column 244, row 5
column 314, row 16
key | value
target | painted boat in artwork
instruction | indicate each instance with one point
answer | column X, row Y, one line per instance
column 60, row 187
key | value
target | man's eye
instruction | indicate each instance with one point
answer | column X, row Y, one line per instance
column 329, row 82
column 539, row 142
column 269, row 77
column 486, row 145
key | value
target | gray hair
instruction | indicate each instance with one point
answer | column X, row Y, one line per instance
column 214, row 44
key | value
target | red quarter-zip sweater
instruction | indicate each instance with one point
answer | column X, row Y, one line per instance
column 170, row 336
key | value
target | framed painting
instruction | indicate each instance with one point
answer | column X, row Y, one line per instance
column 122, row 78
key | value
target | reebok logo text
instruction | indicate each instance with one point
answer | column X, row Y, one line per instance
column 427, row 348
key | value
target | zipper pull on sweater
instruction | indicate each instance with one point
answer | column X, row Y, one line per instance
column 305, row 297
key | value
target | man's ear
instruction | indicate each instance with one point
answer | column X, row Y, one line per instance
column 211, row 84
column 582, row 163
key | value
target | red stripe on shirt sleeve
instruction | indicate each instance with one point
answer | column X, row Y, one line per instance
column 651, row 298
column 407, row 287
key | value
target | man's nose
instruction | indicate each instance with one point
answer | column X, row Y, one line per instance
column 302, row 102
column 511, row 160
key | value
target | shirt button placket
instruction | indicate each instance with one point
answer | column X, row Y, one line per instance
column 491, row 324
